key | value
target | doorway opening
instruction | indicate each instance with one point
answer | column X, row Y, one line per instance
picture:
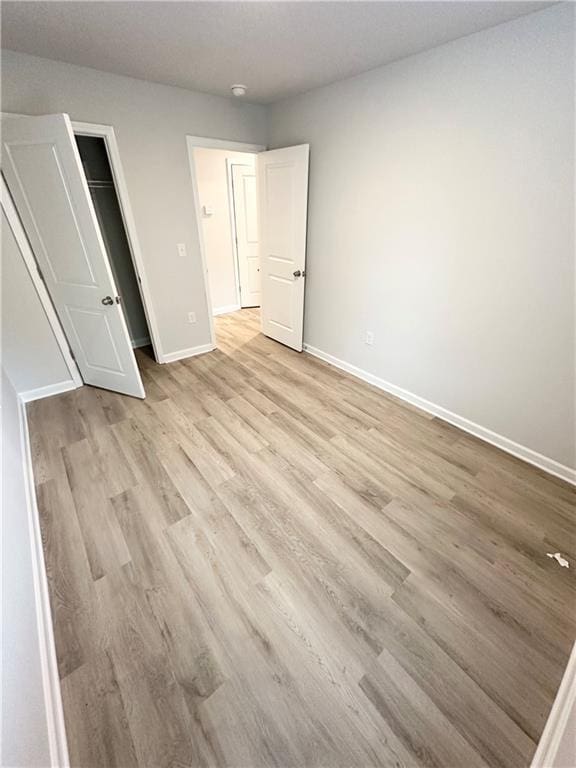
column 100, row 179
column 251, row 217
column 228, row 219
column 211, row 169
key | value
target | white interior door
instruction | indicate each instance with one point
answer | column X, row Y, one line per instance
column 246, row 221
column 43, row 170
column 282, row 212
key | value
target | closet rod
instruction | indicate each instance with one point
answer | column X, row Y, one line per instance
column 101, row 184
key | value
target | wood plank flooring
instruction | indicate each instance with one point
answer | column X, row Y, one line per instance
column 270, row 563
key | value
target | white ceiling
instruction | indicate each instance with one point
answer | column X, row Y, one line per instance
column 276, row 48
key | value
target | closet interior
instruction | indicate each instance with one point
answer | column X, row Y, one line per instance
column 100, row 180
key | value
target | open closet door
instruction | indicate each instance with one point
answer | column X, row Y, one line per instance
column 282, row 211
column 42, row 167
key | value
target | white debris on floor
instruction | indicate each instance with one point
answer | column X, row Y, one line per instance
column 562, row 560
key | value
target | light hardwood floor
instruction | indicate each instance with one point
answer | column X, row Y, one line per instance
column 270, row 563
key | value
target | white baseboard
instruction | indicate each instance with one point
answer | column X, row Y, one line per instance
column 180, row 354
column 520, row 451
column 226, row 310
column 143, row 341
column 49, row 390
column 558, row 725
column 49, row 666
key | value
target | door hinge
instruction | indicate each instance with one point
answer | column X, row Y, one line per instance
column 40, row 273
column 72, row 355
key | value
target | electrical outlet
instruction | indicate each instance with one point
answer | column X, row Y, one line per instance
column 181, row 250
column 191, row 317
column 369, row 338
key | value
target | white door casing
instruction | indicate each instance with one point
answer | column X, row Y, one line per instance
column 245, row 213
column 44, row 173
column 282, row 214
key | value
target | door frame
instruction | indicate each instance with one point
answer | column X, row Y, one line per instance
column 202, row 142
column 25, row 249
column 106, row 132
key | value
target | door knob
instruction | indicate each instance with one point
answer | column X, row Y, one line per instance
column 297, row 273
column 107, row 300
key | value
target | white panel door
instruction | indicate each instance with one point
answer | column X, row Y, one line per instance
column 43, row 170
column 246, row 220
column 282, row 211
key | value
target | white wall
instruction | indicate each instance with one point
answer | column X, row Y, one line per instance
column 24, row 719
column 441, row 217
column 212, row 179
column 30, row 353
column 151, row 122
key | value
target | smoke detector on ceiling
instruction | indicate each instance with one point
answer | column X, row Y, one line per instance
column 238, row 90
